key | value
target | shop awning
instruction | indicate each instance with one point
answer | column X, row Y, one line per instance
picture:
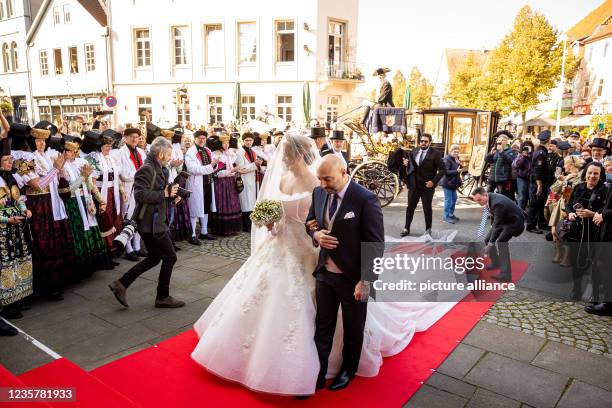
column 577, row 120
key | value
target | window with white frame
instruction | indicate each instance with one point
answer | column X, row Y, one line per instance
column 586, row 89
column 600, row 87
column 57, row 16
column 591, row 52
column 215, row 109
column 285, row 41
column 335, row 43
column 142, row 38
column 247, row 43
column 45, row 113
column 213, row 43
column 1, row 11
column 284, row 107
column 14, row 56
column 605, row 51
column 183, row 112
column 247, row 110
column 66, row 13
column 90, row 57
column 6, row 57
column 179, row 42
column 9, row 8
column 44, row 63
column 57, row 61
column 145, row 109
column 74, row 60
column 333, row 102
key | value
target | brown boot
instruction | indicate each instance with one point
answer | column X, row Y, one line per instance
column 557, row 256
column 119, row 291
column 565, row 256
column 169, row 302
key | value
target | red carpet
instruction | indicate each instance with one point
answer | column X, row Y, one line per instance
column 165, row 376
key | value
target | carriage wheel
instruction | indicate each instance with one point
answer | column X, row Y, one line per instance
column 378, row 179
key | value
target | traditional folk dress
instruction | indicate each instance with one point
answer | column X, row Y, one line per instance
column 246, row 160
column 178, row 214
column 89, row 248
column 131, row 160
column 15, row 246
column 202, row 201
column 227, row 219
column 52, row 243
column 106, row 175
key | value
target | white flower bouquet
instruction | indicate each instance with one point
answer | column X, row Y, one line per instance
column 267, row 212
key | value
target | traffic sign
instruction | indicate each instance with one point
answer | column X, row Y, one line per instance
column 110, row 101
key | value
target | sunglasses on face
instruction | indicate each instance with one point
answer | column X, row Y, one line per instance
column 425, row 141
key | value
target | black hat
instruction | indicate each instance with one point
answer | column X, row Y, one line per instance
column 5, row 146
column 178, row 134
column 56, row 143
column 92, row 141
column 18, row 134
column 45, row 124
column 114, row 135
column 504, row 133
column 337, row 135
column 544, row 135
column 563, row 146
column 574, row 134
column 152, row 132
column 380, row 71
column 279, row 133
column 213, row 143
column 199, row 133
column 554, row 142
column 234, row 136
column 600, row 142
column 247, row 135
column 316, row 132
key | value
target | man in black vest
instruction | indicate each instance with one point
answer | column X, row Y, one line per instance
column 424, row 170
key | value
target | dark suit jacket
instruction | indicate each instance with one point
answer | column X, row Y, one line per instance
column 386, row 94
column 150, row 182
column 365, row 226
column 505, row 214
column 330, row 151
column 431, row 169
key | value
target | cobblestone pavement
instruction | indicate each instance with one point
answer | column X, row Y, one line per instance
column 237, row 247
column 563, row 322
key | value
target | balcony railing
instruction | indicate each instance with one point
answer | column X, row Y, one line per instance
column 348, row 70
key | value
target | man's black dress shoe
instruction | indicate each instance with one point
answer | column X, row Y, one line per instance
column 601, row 309
column 6, row 329
column 142, row 253
column 194, row 241
column 341, row 381
column 132, row 257
column 533, row 230
column 207, row 237
column 11, row 313
column 405, row 232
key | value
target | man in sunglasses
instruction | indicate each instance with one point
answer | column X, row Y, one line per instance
column 425, row 168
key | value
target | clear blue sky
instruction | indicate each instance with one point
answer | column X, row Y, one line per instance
column 402, row 33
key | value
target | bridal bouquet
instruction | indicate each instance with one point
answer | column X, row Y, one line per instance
column 267, row 212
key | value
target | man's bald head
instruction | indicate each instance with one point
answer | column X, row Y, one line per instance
column 332, row 173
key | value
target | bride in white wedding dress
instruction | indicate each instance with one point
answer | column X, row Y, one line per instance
column 259, row 330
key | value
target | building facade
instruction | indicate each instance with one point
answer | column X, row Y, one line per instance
column 68, row 47
column 15, row 19
column 591, row 41
column 179, row 61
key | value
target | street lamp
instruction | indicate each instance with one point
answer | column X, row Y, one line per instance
column 560, row 101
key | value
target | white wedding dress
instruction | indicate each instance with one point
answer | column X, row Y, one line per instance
column 259, row 331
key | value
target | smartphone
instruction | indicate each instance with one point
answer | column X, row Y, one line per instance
column 578, row 206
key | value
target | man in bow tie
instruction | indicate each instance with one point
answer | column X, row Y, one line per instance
column 348, row 215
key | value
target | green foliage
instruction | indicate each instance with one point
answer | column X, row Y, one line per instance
column 399, row 88
column 421, row 90
column 6, row 107
column 605, row 119
column 524, row 66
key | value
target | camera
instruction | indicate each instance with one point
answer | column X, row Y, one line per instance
column 181, row 192
column 125, row 236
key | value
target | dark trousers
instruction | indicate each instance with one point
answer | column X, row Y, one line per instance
column 535, row 212
column 500, row 252
column 425, row 195
column 502, row 187
column 246, row 221
column 160, row 248
column 332, row 291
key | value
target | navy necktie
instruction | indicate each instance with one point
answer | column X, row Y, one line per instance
column 333, row 206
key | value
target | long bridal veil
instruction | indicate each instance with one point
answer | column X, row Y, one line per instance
column 295, row 149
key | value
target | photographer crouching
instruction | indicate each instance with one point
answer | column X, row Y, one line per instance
column 152, row 192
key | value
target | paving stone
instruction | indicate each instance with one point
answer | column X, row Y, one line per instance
column 186, row 277
column 102, row 346
column 518, row 380
column 19, row 355
column 486, row 399
column 576, row 364
column 211, row 287
column 504, row 341
column 176, row 318
column 461, row 360
column 207, row 263
column 71, row 331
column 580, row 394
column 450, row 384
column 429, row 397
column 113, row 357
